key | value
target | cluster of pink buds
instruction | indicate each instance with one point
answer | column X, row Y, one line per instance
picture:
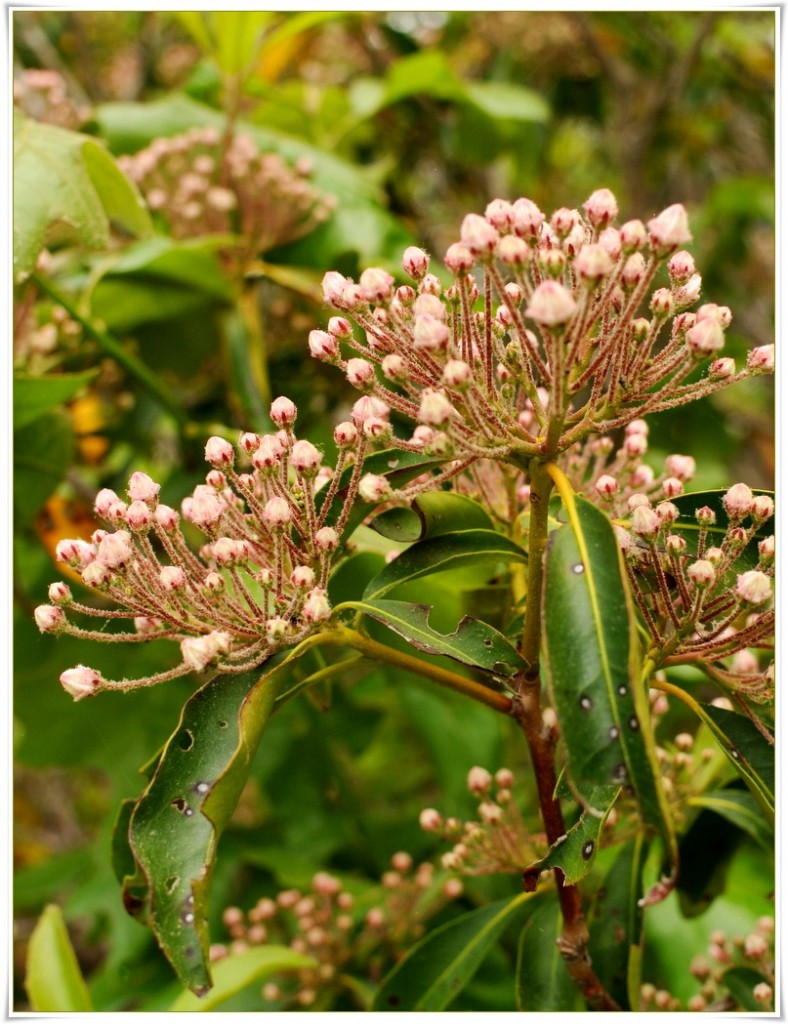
column 257, row 583
column 498, row 841
column 681, row 760
column 203, row 183
column 754, row 951
column 42, row 95
column 695, row 603
column 339, row 930
column 552, row 330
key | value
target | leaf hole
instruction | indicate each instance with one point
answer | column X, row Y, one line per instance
column 171, row 884
column 222, row 724
column 180, row 805
column 186, row 739
column 587, row 850
column 488, row 643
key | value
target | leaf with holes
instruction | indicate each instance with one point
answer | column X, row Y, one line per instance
column 473, row 642
column 174, row 828
column 435, row 971
column 439, row 554
column 687, row 527
column 543, row 983
column 432, row 515
column 593, row 665
column 575, row 852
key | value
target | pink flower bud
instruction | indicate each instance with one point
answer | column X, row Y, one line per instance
column 527, row 219
column 50, row 619
column 375, row 428
column 205, row 508
column 219, row 452
column 667, row 512
column 669, row 230
column 513, row 251
column 368, row 407
column 601, row 207
column 303, row 577
column 681, row 267
column 394, row 368
column 642, row 476
column 75, row 552
column 592, row 263
column 96, row 574
column 249, row 442
column 199, row 652
column 563, row 220
column 459, row 258
column 722, row 369
column 276, row 628
column 326, row 539
column 633, row 236
column 765, row 550
column 334, row 285
column 316, row 607
column 637, row 501
column 702, row 573
column 479, row 780
column 430, row 333
column 81, row 681
column 715, row 555
column 305, row 458
column 761, row 359
column 166, row 517
column 276, row 513
column 636, row 427
column 59, row 593
column 457, row 373
column 705, row 337
column 340, row 327
column 610, row 240
column 672, row 487
column 551, row 304
column 645, row 522
column 373, row 488
column 478, row 235
column 676, row 545
column 360, row 373
column 139, row 516
column 109, row 506
column 662, row 303
column 762, row 993
column 345, row 435
column 323, row 346
column 500, row 214
column 142, row 488
column 435, row 409
column 680, row 466
column 283, row 412
column 172, row 577
column 689, row 293
column 762, row 508
column 738, row 502
column 146, row 625
column 115, row 550
column 634, row 269
column 490, row 813
column 635, row 445
column 269, row 452
column 415, row 262
column 606, row 486
column 430, row 819
column 376, row 285
column 753, row 588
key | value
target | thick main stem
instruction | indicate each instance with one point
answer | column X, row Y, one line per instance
column 527, row 711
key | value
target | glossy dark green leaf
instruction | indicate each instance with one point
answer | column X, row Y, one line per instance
column 740, row 981
column 688, row 528
column 431, row 515
column 593, row 663
column 53, row 979
column 177, row 821
column 439, row 554
column 741, row 809
column 42, row 454
column 435, row 970
column 543, row 984
column 35, row 396
column 616, row 924
column 575, row 852
column 473, row 642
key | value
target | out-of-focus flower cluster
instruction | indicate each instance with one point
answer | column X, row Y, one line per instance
column 754, row 951
column 42, row 94
column 498, row 841
column 342, row 933
column 574, row 336
column 203, row 183
column 40, row 342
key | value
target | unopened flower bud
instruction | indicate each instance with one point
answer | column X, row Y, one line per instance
column 316, row 607
column 430, row 333
column 667, row 512
column 645, row 522
column 430, row 819
column 689, row 293
column 478, row 235
column 96, row 574
column 376, row 285
column 50, row 619
column 552, row 262
column 715, row 555
column 676, row 545
column 637, row 501
column 360, row 373
column 142, row 488
column 762, row 508
column 368, row 407
column 738, row 501
column 115, row 550
column 139, row 516
column 592, row 263
column 635, row 445
column 373, row 488
column 702, row 573
column 680, row 466
column 283, row 412
column 681, row 267
column 345, row 435
column 457, row 373
column 672, row 487
column 109, row 506
column 305, row 458
column 479, row 780
column 59, row 593
column 459, row 259
column 276, row 513
column 633, row 236
column 662, row 303
column 563, row 220
column 435, row 409
column 753, row 588
column 172, row 577
column 513, row 251
column 323, row 346
column 762, row 993
column 219, row 452
column 669, row 230
column 81, row 681
column 302, row 577
column 606, row 486
column 765, row 550
column 601, row 207
column 610, row 240
column 326, row 539
column 761, row 359
column 198, row 652
column 722, row 369
column 551, row 304
column 415, row 262
column 634, row 270
column 705, row 337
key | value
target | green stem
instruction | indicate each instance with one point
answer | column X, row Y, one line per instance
column 113, row 348
column 320, row 676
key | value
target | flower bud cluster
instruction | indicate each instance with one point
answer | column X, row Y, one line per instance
column 498, row 841
column 42, row 95
column 341, row 931
column 198, row 187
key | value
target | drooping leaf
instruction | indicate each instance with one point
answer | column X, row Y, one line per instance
column 67, row 182
column 53, row 979
column 431, row 515
column 507, row 101
column 575, row 852
column 593, row 664
column 439, row 554
column 435, row 970
column 616, row 925
column 34, row 396
column 543, row 983
column 740, row 981
column 235, row 972
column 688, row 528
column 472, row 643
column 740, row 809
column 42, row 454
column 175, row 826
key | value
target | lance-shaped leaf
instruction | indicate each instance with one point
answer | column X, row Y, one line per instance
column 741, row 809
column 740, row 981
column 175, row 826
column 431, row 515
column 436, row 970
column 616, row 925
column 593, row 664
column 543, row 983
column 469, row 547
column 35, row 396
column 53, row 979
column 473, row 642
column 687, row 527
column 575, row 852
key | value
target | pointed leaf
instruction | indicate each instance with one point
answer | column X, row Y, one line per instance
column 593, row 664
column 473, row 642
column 434, row 971
column 740, row 809
column 467, row 547
column 431, row 515
column 34, row 396
column 543, row 982
column 53, row 979
column 688, row 528
column 237, row 971
column 740, row 981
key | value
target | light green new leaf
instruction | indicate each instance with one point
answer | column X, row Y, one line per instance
column 238, row 970
column 436, row 970
column 543, row 984
column 67, row 187
column 430, row 515
column 454, row 551
column 53, row 979
column 507, row 101
column 34, row 396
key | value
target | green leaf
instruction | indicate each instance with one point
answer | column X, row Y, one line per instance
column 34, row 396
column 238, row 36
column 67, row 182
column 428, row 73
column 543, row 983
column 593, row 666
column 53, row 979
column 237, row 971
column 740, row 981
column 575, row 852
column 175, row 826
column 507, row 101
column 616, row 925
column 42, row 454
column 434, row 971
column 472, row 643
column 740, row 809
column 688, row 528
column 439, row 554
column 431, row 515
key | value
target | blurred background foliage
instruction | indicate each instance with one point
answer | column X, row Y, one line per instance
column 408, row 120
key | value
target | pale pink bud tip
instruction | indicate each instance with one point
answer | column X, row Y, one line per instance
column 172, row 577
column 606, row 485
column 435, row 409
column 763, row 507
column 143, row 488
column 115, row 550
column 283, row 412
column 738, row 501
column 323, row 346
column 326, row 539
column 415, row 262
column 219, row 452
column 551, row 304
column 109, row 506
column 702, row 573
column 277, row 513
column 592, row 263
column 376, row 285
column 478, row 234
column 81, row 681
column 49, row 618
column 670, row 229
column 139, row 515
column 199, row 652
column 316, row 607
column 761, row 360
column 762, row 992
column 706, row 337
column 360, row 372
column 601, row 207
column 373, row 488
column 59, row 592
column 753, row 588
column 645, row 522
column 366, row 408
column 479, row 780
column 305, row 458
column 430, row 819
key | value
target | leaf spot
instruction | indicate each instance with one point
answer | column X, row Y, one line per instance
column 735, row 754
column 620, row 772
column 188, row 812
column 634, row 724
column 588, row 849
column 172, row 884
column 202, row 787
column 188, row 917
column 222, row 724
column 612, row 732
column 586, row 703
column 186, row 739
column 622, row 690
column 392, row 463
column 180, row 804
column 488, row 643
column 578, row 568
